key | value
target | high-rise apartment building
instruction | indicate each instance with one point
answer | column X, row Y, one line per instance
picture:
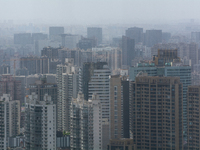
column 156, row 112
column 193, row 54
column 95, row 33
column 86, row 73
column 89, row 130
column 98, row 135
column 67, row 82
column 193, row 110
column 195, row 37
column 41, row 87
column 55, row 33
column 153, row 37
column 79, row 123
column 86, row 43
column 119, row 107
column 40, row 123
column 22, row 38
column 35, row 65
column 128, row 50
column 5, row 69
column 165, row 37
column 56, row 30
column 50, row 52
column 10, row 119
column 99, row 84
column 135, row 33
column 8, row 85
column 170, row 70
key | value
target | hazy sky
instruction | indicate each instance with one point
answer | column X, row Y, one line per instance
column 99, row 11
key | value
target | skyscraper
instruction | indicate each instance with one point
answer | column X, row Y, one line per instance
column 79, row 123
column 95, row 33
column 86, row 43
column 153, row 37
column 86, row 74
column 67, row 82
column 135, row 33
column 40, row 123
column 119, row 107
column 128, row 50
column 10, row 119
column 193, row 54
column 98, row 136
column 41, row 87
column 195, row 37
column 179, row 70
column 193, row 111
column 8, row 85
column 99, row 84
column 22, row 38
column 50, row 52
column 56, row 30
column 156, row 112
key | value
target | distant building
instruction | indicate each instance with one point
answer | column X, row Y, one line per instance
column 22, row 38
column 135, row 33
column 128, row 51
column 168, row 46
column 165, row 37
column 50, row 52
column 8, row 85
column 5, row 69
column 95, row 33
column 40, row 123
column 71, row 41
column 35, row 64
column 195, row 37
column 22, row 72
column 41, row 87
column 68, row 53
column 55, row 32
column 193, row 54
column 153, row 37
column 166, row 56
column 39, row 36
column 86, row 43
column 22, row 79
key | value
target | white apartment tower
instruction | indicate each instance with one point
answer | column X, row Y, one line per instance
column 79, row 123
column 99, row 84
column 67, row 82
column 97, row 137
column 10, row 119
column 40, row 123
